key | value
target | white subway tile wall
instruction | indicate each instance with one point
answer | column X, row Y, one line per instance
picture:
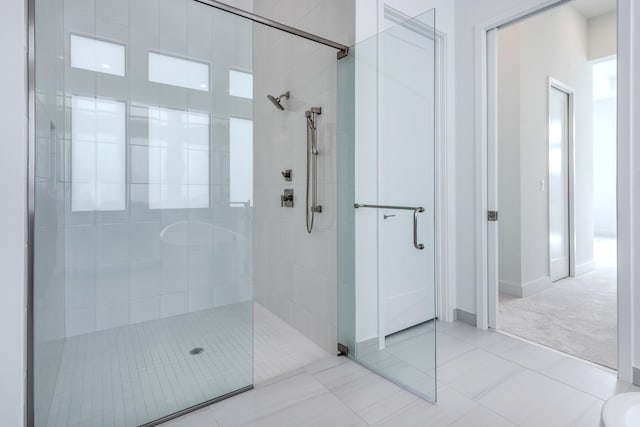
column 147, row 205
column 158, row 152
column 295, row 273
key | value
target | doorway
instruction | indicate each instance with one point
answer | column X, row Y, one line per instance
column 554, row 283
column 560, row 163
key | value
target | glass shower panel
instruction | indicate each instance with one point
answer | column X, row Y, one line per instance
column 386, row 268
column 143, row 280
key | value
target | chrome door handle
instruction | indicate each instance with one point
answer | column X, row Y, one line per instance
column 417, row 245
column 415, row 210
column 388, row 216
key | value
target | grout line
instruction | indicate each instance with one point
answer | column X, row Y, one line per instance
column 571, row 356
column 526, row 368
column 342, row 402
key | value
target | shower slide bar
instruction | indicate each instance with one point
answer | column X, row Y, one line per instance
column 343, row 50
column 415, row 210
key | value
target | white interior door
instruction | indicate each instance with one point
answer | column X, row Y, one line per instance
column 558, row 183
column 406, row 178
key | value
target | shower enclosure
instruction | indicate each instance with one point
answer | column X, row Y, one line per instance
column 386, row 232
column 146, row 219
column 144, row 207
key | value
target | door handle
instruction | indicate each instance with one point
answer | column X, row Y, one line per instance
column 389, row 216
column 416, row 211
column 417, row 245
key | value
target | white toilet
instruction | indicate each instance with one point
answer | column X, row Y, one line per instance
column 622, row 410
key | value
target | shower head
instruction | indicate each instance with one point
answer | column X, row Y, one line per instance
column 276, row 101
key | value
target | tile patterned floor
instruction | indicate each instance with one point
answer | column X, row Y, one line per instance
column 130, row 375
column 485, row 379
column 134, row 374
column 408, row 356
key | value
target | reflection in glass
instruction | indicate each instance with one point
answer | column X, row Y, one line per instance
column 97, row 154
column 178, row 159
column 96, row 55
column 240, row 84
column 178, row 72
column 241, row 161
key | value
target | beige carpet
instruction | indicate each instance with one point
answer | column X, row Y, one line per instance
column 577, row 315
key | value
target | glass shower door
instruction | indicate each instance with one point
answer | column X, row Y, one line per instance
column 387, row 204
column 143, row 281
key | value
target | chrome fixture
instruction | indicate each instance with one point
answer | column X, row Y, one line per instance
column 343, row 50
column 195, row 351
column 286, row 199
column 415, row 210
column 276, row 101
column 286, row 174
column 312, row 165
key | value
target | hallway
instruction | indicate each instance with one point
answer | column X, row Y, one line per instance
column 577, row 315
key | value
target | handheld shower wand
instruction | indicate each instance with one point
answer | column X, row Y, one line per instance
column 312, row 165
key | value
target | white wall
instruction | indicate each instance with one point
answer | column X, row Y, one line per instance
column 602, row 36
column 295, row 273
column 604, row 166
column 602, row 44
column 551, row 44
column 13, row 176
column 509, row 159
column 468, row 15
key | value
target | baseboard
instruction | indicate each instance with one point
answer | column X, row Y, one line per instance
column 510, row 288
column 367, row 345
column 465, row 316
column 585, row 267
column 526, row 289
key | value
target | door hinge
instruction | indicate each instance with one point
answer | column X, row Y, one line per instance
column 343, row 350
column 493, row 215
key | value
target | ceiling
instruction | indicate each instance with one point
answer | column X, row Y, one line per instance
column 591, row 8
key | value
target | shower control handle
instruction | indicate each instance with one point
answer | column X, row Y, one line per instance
column 286, row 199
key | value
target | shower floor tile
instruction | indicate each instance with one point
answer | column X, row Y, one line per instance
column 130, row 375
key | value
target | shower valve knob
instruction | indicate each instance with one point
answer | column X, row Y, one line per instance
column 286, row 174
column 286, row 199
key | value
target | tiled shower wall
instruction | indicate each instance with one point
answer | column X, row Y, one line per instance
column 140, row 263
column 117, row 262
column 295, row 273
